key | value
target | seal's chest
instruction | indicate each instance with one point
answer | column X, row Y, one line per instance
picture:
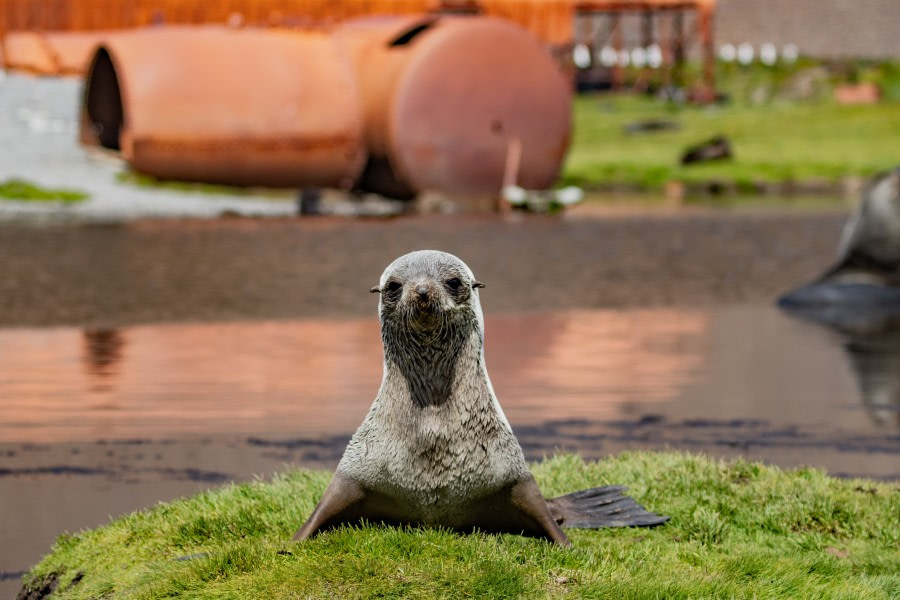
column 437, row 466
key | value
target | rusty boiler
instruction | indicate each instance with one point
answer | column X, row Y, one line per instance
column 232, row 106
column 451, row 102
column 392, row 105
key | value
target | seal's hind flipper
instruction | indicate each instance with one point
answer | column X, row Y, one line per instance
column 604, row 506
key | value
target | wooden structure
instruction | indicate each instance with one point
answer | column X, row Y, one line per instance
column 663, row 32
column 672, row 26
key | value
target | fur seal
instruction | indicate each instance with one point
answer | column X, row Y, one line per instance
column 867, row 273
column 435, row 448
column 859, row 297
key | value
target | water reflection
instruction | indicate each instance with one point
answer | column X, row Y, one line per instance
column 102, row 349
column 871, row 340
column 319, row 377
column 186, row 379
column 749, row 375
column 876, row 362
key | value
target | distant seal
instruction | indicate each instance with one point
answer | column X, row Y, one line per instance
column 859, row 297
column 435, row 448
column 867, row 273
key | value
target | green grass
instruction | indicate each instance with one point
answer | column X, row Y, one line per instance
column 19, row 189
column 772, row 143
column 738, row 530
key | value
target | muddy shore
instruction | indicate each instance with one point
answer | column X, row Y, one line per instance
column 229, row 269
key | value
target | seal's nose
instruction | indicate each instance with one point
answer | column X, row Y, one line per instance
column 422, row 292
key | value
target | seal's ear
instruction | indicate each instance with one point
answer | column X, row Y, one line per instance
column 477, row 284
column 375, row 290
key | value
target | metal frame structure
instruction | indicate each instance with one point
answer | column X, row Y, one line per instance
column 672, row 26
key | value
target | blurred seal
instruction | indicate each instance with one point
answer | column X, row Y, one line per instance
column 865, row 281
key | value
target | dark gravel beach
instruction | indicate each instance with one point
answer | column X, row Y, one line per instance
column 231, row 269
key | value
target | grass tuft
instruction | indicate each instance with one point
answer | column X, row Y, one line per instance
column 19, row 189
column 738, row 530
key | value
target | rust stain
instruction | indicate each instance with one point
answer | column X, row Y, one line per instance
column 268, row 144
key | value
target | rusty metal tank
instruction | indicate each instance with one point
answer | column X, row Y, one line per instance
column 448, row 99
column 233, row 106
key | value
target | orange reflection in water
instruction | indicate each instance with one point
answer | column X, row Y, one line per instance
column 592, row 364
column 316, row 378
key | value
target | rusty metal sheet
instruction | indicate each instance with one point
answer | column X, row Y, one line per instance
column 234, row 106
column 75, row 15
column 51, row 53
column 28, row 51
column 448, row 98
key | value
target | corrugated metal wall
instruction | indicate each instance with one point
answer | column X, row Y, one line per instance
column 79, row 15
column 820, row 28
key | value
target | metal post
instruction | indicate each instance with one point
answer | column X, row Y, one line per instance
column 704, row 24
column 618, row 74
column 678, row 47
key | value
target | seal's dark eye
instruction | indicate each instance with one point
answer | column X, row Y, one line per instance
column 393, row 288
column 454, row 284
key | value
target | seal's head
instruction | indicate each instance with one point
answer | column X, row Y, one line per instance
column 430, row 322
column 427, row 292
column 873, row 231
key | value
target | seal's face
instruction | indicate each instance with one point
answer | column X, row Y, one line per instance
column 427, row 290
column 430, row 318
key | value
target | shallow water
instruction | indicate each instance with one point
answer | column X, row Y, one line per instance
column 733, row 368
column 312, row 378
column 96, row 422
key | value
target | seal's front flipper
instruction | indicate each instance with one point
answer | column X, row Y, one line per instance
column 604, row 506
column 533, row 514
column 339, row 504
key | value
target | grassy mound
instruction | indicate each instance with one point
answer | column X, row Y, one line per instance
column 738, row 530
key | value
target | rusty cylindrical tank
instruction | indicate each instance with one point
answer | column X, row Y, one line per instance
column 232, row 106
column 446, row 98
